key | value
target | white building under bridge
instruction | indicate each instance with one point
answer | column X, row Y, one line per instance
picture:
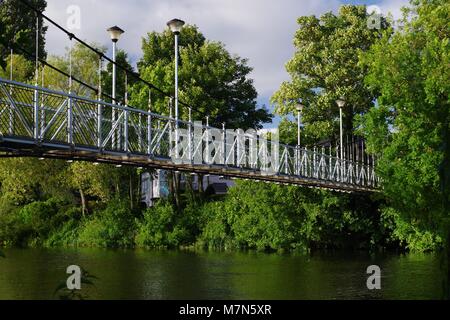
column 155, row 185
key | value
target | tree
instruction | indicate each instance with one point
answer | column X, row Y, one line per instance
column 85, row 64
column 325, row 67
column 18, row 25
column 22, row 69
column 211, row 80
column 103, row 182
column 123, row 61
column 410, row 127
column 24, row 180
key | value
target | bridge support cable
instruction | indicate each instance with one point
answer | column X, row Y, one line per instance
column 123, row 68
column 99, row 106
column 11, row 112
column 149, row 124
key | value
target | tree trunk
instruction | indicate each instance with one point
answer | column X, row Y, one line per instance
column 447, row 266
column 131, row 191
column 83, row 203
column 170, row 183
column 200, row 185
column 138, row 191
column 117, row 190
column 176, row 185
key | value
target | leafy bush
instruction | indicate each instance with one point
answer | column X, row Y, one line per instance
column 33, row 223
column 158, row 228
column 271, row 217
column 66, row 235
column 409, row 233
column 12, row 229
column 112, row 227
column 215, row 229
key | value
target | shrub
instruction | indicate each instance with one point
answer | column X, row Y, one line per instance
column 156, row 227
column 409, row 233
column 112, row 227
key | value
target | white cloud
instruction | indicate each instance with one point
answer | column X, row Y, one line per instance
column 393, row 7
column 260, row 30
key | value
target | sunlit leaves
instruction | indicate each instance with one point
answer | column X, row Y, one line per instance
column 324, row 67
column 211, row 80
column 410, row 130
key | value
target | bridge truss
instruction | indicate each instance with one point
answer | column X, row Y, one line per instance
column 40, row 122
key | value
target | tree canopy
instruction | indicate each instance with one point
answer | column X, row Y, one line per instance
column 18, row 26
column 325, row 67
column 410, row 127
column 211, row 80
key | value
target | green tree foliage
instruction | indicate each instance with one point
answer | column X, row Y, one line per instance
column 18, row 26
column 22, row 69
column 24, row 180
column 56, row 203
column 210, row 79
column 101, row 182
column 85, row 64
column 410, row 127
column 112, row 227
column 121, row 78
column 35, row 223
column 325, row 67
column 267, row 216
column 163, row 226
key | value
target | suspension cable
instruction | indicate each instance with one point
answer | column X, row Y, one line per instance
column 17, row 47
column 131, row 72
column 11, row 64
column 37, row 52
column 70, row 64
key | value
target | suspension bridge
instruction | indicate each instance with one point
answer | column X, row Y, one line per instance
column 36, row 121
column 40, row 122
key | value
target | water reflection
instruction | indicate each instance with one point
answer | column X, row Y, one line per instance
column 141, row 274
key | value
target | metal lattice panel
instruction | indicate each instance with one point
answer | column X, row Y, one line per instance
column 40, row 117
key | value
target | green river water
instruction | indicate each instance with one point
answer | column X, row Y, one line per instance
column 142, row 274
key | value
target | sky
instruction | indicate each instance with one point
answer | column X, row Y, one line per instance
column 260, row 30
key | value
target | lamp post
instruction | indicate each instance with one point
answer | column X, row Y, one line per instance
column 115, row 33
column 175, row 26
column 341, row 103
column 299, row 107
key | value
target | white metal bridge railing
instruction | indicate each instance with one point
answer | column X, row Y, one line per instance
column 31, row 115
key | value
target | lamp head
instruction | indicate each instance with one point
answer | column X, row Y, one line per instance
column 115, row 33
column 340, row 102
column 299, row 107
column 175, row 25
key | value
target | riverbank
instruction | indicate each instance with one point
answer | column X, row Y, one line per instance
column 252, row 215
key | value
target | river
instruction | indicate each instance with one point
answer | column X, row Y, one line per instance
column 144, row 274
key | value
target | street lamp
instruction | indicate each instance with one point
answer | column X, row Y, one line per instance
column 299, row 107
column 341, row 103
column 115, row 33
column 175, row 26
